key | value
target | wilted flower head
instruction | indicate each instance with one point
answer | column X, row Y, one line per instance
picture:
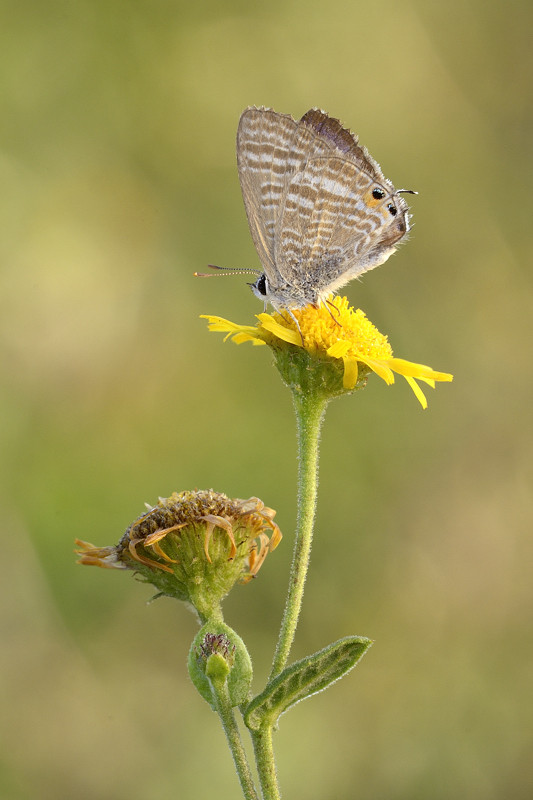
column 193, row 546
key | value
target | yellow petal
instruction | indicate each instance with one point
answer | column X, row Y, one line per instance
column 417, row 390
column 148, row 561
column 339, row 349
column 224, row 325
column 288, row 335
column 239, row 338
column 156, row 547
column 380, row 367
column 209, row 528
column 94, row 561
column 261, row 555
column 221, row 522
column 276, row 537
column 408, row 368
column 351, row 372
column 160, row 534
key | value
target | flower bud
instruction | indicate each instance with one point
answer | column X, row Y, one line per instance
column 218, row 653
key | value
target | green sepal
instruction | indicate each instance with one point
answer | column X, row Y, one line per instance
column 303, row 679
column 239, row 673
column 313, row 375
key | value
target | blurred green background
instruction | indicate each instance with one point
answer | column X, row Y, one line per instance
column 118, row 177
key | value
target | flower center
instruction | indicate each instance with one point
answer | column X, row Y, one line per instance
column 322, row 327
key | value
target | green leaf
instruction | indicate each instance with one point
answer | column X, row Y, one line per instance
column 304, row 678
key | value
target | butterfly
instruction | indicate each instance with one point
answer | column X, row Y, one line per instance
column 319, row 208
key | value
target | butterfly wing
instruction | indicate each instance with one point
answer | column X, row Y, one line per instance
column 330, row 229
column 341, row 142
column 263, row 143
column 270, row 148
column 306, row 190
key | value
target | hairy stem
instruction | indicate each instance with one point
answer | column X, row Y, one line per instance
column 229, row 723
column 264, row 759
column 310, row 410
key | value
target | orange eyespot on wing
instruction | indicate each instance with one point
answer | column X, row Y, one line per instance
column 374, row 197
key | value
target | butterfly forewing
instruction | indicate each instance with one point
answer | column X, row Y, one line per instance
column 270, row 148
column 263, row 143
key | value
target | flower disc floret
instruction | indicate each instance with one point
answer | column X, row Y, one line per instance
column 323, row 328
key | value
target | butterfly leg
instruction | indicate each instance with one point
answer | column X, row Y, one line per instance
column 295, row 322
column 327, row 305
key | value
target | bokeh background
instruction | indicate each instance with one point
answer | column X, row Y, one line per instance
column 118, row 179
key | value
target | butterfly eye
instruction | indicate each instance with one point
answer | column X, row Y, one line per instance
column 392, row 209
column 377, row 194
column 260, row 285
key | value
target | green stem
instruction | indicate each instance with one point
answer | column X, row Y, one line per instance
column 310, row 410
column 214, row 613
column 264, row 759
column 229, row 723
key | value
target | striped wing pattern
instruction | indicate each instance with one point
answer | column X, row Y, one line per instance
column 270, row 148
column 264, row 141
column 323, row 220
column 304, row 185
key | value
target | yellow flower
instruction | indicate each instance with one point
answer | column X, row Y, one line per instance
column 339, row 332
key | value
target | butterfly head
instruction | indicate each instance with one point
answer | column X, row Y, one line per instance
column 260, row 288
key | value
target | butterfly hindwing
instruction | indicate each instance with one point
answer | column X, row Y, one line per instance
column 325, row 228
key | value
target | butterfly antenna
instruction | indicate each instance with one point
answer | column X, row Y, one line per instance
column 226, row 271
column 406, row 191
